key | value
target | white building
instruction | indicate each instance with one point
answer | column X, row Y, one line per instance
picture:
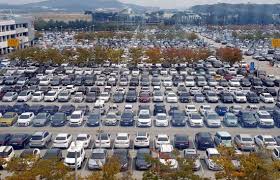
column 16, row 28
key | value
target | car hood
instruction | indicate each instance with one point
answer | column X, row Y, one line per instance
column 97, row 162
column 142, row 162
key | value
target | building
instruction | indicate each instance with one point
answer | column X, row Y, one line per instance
column 16, row 28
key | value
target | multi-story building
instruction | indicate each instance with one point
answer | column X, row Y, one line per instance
column 16, row 28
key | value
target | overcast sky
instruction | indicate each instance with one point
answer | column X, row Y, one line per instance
column 163, row 3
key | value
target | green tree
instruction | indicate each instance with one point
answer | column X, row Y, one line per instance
column 136, row 54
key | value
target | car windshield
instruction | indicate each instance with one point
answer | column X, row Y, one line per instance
column 269, row 140
column 212, row 116
column 9, row 94
column 60, row 138
column 58, row 117
column 8, row 115
column 195, row 116
column 162, row 139
column 41, row 116
column 50, row 93
column 64, row 94
column 36, row 137
column 265, row 116
column 247, row 139
column 94, row 116
column 75, row 116
column 121, row 137
column 72, row 155
column 81, row 138
column 144, row 116
column 102, row 137
column 97, row 156
column 161, row 117
column 37, row 94
column 24, row 116
column 111, row 116
column 4, row 154
column 127, row 115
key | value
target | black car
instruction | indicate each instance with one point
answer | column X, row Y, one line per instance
column 268, row 82
column 127, row 118
column 34, row 81
column 84, row 108
column 4, row 139
column 123, row 157
column 257, row 89
column 36, row 109
column 256, row 82
column 19, row 141
column 159, row 108
column 134, row 82
column 245, row 82
column 141, row 162
column 91, row 97
column 172, row 109
column 53, row 154
column 178, row 118
column 204, row 140
column 20, row 108
column 181, row 141
column 118, row 97
column 58, row 119
column 226, row 97
column 271, row 90
column 67, row 109
column 51, row 109
column 131, row 96
column 247, row 119
column 184, row 97
column 94, row 119
column 252, row 97
column 4, row 108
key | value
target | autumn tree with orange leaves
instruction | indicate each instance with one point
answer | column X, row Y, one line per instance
column 230, row 55
column 154, row 55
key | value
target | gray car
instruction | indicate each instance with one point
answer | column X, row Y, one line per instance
column 41, row 119
column 97, row 159
column 40, row 139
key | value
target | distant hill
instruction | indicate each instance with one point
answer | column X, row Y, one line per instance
column 71, row 5
column 238, row 13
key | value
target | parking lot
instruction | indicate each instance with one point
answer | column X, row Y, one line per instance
column 143, row 87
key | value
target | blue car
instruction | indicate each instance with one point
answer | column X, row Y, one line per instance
column 51, row 109
column 67, row 109
column 247, row 119
column 221, row 110
column 36, row 109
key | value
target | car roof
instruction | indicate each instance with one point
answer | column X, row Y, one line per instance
column 166, row 148
column 122, row 134
column 263, row 112
column 212, row 151
column 223, row 133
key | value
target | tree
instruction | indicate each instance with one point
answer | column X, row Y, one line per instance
column 115, row 55
column 136, row 54
column 162, row 171
column 230, row 55
column 109, row 171
column 170, row 55
column 154, row 55
column 255, row 165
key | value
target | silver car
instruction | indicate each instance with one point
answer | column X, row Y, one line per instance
column 97, row 159
column 40, row 139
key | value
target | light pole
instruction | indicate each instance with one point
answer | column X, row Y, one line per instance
column 99, row 131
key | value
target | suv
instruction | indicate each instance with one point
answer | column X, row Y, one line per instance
column 7, row 153
column 75, row 155
column 144, row 118
column 142, row 139
column 40, row 139
column 77, row 118
column 223, row 138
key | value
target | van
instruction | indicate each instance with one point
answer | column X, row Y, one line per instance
column 75, row 151
column 223, row 138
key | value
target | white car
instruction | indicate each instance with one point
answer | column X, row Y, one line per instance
column 51, row 96
column 78, row 97
column 102, row 140
column 194, row 90
column 71, row 88
column 239, row 97
column 9, row 96
column 167, row 82
column 76, row 118
column 267, row 98
column 45, row 81
column 265, row 141
column 144, row 118
column 166, row 156
column 84, row 139
column 161, row 120
column 75, row 154
column 7, row 154
column 212, row 119
column 157, row 96
column 105, row 96
column 62, row 140
column 24, row 96
column 189, row 82
column 37, row 96
column 88, row 71
column 190, row 109
column 195, row 120
column 122, row 140
column 171, row 97
column 142, row 139
column 100, row 81
column 161, row 139
column 234, row 82
column 25, row 119
column 204, row 108
column 50, row 70
column 264, row 119
column 210, row 154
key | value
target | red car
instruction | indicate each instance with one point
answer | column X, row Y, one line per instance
column 144, row 97
column 228, row 77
